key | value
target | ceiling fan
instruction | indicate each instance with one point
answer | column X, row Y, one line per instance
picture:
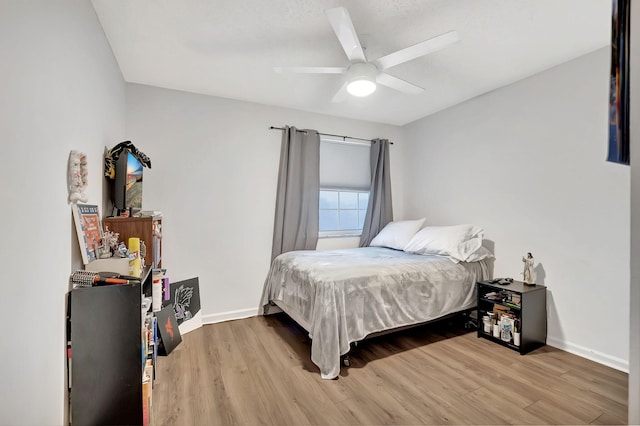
column 362, row 74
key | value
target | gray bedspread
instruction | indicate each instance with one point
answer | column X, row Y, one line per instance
column 341, row 296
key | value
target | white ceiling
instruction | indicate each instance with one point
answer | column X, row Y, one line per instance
column 228, row 48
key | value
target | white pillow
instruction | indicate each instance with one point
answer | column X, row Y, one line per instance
column 457, row 242
column 480, row 254
column 397, row 234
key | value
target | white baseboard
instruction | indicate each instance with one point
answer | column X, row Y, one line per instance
column 230, row 315
column 599, row 357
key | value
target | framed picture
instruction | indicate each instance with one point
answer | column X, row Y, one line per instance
column 89, row 230
column 184, row 296
column 619, row 83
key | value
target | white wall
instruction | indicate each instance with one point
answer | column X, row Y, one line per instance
column 527, row 162
column 61, row 90
column 214, row 173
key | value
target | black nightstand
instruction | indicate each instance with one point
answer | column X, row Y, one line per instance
column 531, row 312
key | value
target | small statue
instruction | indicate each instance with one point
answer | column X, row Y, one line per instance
column 528, row 269
column 77, row 177
column 110, row 240
column 143, row 251
column 103, row 252
column 122, row 250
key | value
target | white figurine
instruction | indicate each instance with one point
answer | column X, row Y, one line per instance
column 77, row 177
column 528, row 269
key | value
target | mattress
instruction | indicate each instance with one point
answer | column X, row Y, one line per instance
column 341, row 296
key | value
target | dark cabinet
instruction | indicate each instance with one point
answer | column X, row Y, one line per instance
column 527, row 304
column 109, row 351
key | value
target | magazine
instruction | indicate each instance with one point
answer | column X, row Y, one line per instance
column 89, row 230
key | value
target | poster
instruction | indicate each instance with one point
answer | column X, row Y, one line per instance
column 89, row 230
column 619, row 83
column 184, row 296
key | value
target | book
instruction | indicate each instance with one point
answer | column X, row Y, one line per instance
column 151, row 213
column 89, row 230
column 146, row 399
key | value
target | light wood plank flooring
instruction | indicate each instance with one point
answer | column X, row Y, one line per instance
column 258, row 371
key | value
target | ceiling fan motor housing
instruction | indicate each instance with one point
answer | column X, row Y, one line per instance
column 361, row 78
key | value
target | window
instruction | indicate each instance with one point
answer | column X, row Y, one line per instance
column 345, row 177
column 342, row 212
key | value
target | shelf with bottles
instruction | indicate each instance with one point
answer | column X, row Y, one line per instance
column 501, row 327
column 513, row 316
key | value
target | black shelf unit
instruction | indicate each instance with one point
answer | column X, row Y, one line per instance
column 105, row 331
column 532, row 313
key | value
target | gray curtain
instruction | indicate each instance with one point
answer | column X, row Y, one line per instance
column 379, row 210
column 296, row 218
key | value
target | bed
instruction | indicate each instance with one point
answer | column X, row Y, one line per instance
column 342, row 296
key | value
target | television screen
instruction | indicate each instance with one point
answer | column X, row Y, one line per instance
column 128, row 183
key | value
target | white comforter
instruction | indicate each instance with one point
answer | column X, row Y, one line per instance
column 341, row 296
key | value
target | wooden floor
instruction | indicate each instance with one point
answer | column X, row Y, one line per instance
column 258, row 371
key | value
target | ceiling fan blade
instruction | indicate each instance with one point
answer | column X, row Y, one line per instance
column 343, row 27
column 417, row 50
column 398, row 84
column 311, row 70
column 341, row 94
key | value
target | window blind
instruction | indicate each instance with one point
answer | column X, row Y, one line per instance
column 344, row 164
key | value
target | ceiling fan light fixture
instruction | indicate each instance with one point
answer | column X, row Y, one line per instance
column 361, row 88
column 362, row 79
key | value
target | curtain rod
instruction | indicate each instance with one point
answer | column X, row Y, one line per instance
column 344, row 138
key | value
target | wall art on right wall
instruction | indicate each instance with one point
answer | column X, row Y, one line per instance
column 619, row 83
